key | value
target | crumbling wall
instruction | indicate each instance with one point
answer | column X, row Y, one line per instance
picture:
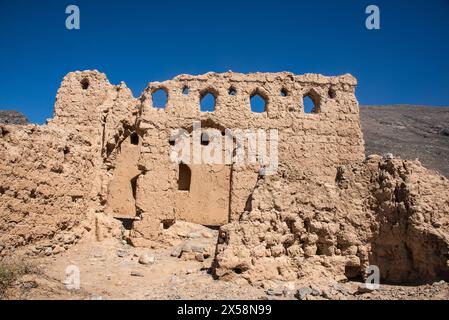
column 310, row 145
column 102, row 113
column 326, row 213
column 385, row 212
column 139, row 181
column 411, row 231
column 54, row 178
column 45, row 187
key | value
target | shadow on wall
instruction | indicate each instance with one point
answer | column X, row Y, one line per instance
column 406, row 255
column 121, row 201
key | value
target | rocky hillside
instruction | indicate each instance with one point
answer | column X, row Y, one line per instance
column 12, row 117
column 408, row 131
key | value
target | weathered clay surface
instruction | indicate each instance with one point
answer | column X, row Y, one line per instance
column 101, row 167
column 54, row 178
column 45, row 186
column 309, row 144
column 390, row 213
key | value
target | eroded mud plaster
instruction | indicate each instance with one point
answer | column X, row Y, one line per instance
column 327, row 211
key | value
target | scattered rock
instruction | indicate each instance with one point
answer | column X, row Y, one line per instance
column 275, row 292
column 340, row 288
column 188, row 256
column 199, row 257
column 388, row 156
column 302, row 293
column 121, row 253
column 57, row 249
column 286, row 292
column 147, row 258
column 327, row 294
column 183, row 229
column 363, row 288
column 190, row 271
column 68, row 238
column 137, row 274
column 289, row 286
column 176, row 252
column 27, row 285
column 315, row 291
column 193, row 250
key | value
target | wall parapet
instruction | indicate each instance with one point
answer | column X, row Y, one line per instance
column 283, row 94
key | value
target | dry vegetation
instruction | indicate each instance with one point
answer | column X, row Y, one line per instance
column 11, row 270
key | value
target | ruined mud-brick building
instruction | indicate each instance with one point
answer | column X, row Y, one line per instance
column 105, row 156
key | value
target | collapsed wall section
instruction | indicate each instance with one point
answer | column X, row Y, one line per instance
column 54, row 178
column 389, row 213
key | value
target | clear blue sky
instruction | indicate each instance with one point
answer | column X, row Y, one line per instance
column 406, row 61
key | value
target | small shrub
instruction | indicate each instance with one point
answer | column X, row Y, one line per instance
column 10, row 271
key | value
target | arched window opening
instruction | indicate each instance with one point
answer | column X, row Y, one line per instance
column 159, row 98
column 185, row 90
column 207, row 103
column 258, row 103
column 311, row 102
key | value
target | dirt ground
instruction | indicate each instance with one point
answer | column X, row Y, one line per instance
column 111, row 270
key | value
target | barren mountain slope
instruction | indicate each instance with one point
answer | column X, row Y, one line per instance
column 12, row 117
column 409, row 132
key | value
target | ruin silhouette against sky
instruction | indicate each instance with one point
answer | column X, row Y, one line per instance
column 137, row 42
